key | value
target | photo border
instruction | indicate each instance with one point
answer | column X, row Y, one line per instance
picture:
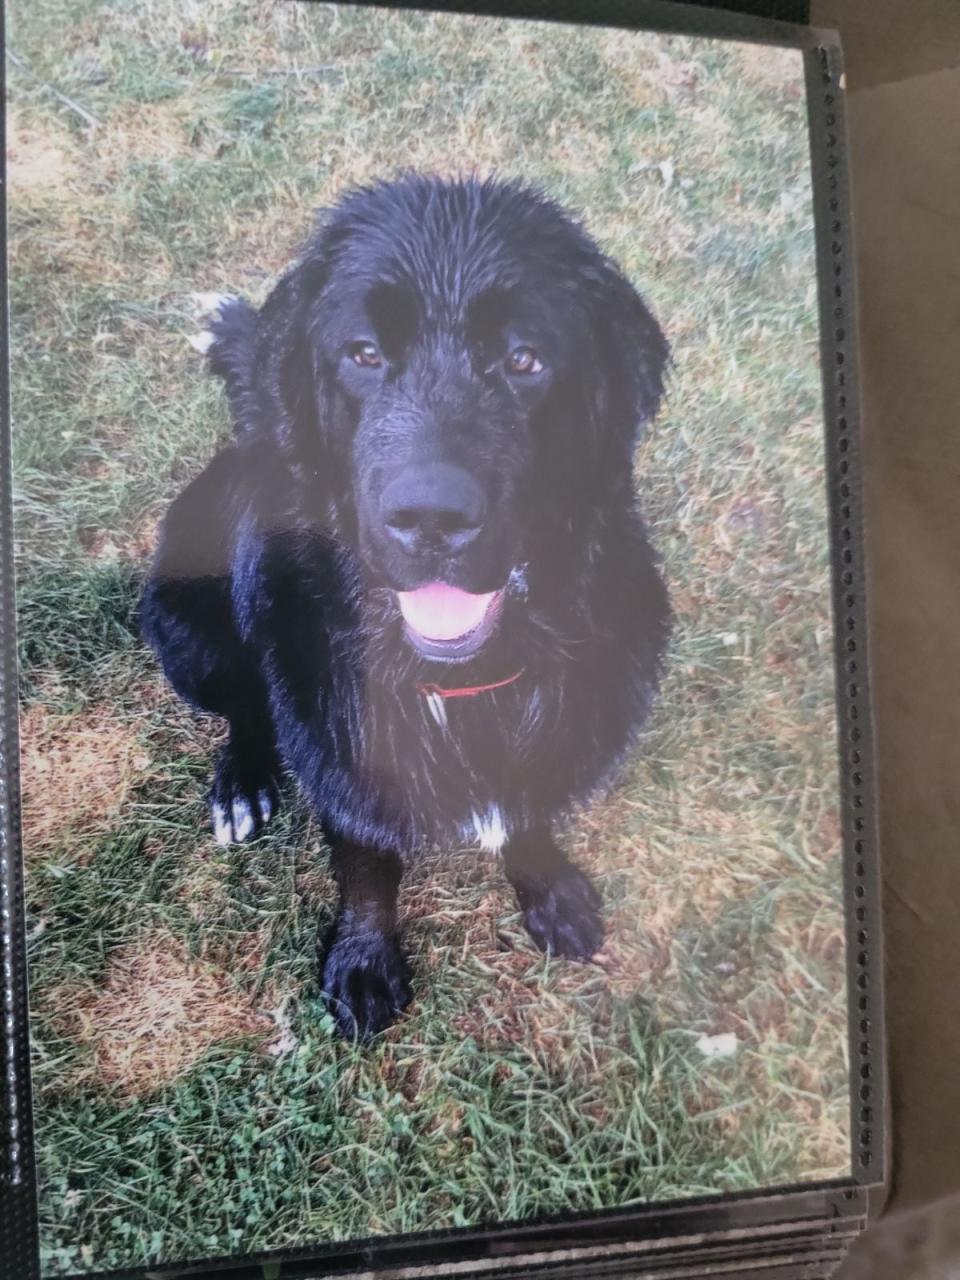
column 797, row 1223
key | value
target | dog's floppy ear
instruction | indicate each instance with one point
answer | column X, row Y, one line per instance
column 229, row 343
column 290, row 390
column 633, row 352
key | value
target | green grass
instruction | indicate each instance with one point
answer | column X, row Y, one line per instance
column 514, row 1088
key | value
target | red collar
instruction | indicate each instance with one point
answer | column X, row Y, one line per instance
column 469, row 691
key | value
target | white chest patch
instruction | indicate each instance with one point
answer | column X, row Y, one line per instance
column 488, row 829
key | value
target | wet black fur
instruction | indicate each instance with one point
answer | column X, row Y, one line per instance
column 272, row 603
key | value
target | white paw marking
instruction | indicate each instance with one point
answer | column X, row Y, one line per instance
column 265, row 805
column 243, row 819
column 489, row 829
column 202, row 341
column 210, row 304
column 221, row 824
column 207, row 306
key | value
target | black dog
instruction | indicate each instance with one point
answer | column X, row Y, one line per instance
column 418, row 579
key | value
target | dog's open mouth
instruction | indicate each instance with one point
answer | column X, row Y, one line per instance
column 447, row 623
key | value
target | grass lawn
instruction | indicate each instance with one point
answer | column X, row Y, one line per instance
column 190, row 1097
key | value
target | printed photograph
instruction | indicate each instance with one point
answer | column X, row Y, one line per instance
column 430, row 802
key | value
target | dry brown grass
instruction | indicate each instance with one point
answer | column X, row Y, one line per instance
column 154, row 132
column 771, row 68
column 137, row 544
column 157, row 1012
column 40, row 160
column 75, row 773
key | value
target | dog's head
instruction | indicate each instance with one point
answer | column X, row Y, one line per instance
column 468, row 373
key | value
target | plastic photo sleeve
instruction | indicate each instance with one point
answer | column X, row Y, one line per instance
column 438, row 818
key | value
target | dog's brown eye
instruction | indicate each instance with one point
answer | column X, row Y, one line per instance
column 524, row 360
column 366, row 355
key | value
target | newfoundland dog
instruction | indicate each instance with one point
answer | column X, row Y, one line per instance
column 417, row 579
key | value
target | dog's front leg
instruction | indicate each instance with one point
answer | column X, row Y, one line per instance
column 560, row 905
column 366, row 980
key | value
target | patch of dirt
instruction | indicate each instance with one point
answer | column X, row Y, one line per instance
column 635, row 65
column 146, row 133
column 156, row 1015
column 754, row 516
column 75, row 772
column 771, row 68
column 36, row 159
column 137, row 544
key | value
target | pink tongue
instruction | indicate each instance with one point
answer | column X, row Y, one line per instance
column 440, row 612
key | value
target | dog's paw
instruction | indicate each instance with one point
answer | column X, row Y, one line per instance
column 563, row 916
column 210, row 306
column 242, row 800
column 207, row 308
column 366, row 982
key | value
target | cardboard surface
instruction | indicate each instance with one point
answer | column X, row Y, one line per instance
column 903, row 85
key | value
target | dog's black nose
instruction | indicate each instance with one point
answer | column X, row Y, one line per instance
column 437, row 507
